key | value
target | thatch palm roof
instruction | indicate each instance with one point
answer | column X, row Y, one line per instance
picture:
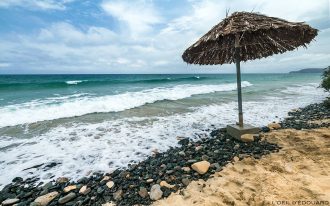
column 260, row 36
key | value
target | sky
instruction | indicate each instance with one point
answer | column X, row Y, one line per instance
column 140, row 36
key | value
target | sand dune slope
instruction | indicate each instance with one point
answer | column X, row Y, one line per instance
column 299, row 172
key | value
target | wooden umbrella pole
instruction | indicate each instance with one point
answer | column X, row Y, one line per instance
column 239, row 87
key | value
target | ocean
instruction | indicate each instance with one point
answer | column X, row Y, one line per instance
column 72, row 125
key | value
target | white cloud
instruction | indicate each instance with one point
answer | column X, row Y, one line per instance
column 4, row 64
column 161, row 62
column 36, row 4
column 203, row 15
column 146, row 43
column 138, row 16
column 62, row 47
column 71, row 35
column 294, row 10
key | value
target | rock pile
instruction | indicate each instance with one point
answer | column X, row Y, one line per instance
column 161, row 173
column 309, row 117
column 152, row 179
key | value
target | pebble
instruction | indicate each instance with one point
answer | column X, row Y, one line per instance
column 84, row 190
column 47, row 186
column 100, row 190
column 236, row 147
column 236, row 159
column 199, row 148
column 67, row 198
column 241, row 156
column 186, row 169
column 165, row 184
column 247, row 138
column 69, row 188
column 83, row 180
column 201, row 167
column 17, row 179
column 155, row 192
column 143, row 192
column 155, row 151
column 182, row 153
column 109, row 204
column 186, row 181
column 205, row 157
column 150, row 180
column 177, row 167
column 10, row 201
column 265, row 129
column 180, row 138
column 184, row 141
column 45, row 199
column 118, row 195
column 110, row 184
column 105, row 178
column 62, row 180
column 215, row 165
column 44, row 192
column 169, row 172
column 274, row 126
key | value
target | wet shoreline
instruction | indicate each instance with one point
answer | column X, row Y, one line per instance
column 171, row 170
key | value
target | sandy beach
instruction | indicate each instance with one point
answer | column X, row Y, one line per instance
column 297, row 175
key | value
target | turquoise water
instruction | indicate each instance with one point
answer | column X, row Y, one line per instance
column 23, row 88
column 102, row 122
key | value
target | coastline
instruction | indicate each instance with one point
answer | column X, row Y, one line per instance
column 112, row 140
column 297, row 175
column 131, row 186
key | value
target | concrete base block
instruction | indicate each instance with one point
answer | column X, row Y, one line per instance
column 236, row 131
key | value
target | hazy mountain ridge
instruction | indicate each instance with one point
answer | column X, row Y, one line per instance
column 308, row 70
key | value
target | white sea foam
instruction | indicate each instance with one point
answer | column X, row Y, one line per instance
column 39, row 110
column 305, row 89
column 57, row 98
column 74, row 81
column 106, row 146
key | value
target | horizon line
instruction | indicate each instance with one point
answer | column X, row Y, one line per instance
column 143, row 73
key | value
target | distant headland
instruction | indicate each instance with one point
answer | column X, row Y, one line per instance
column 309, row 70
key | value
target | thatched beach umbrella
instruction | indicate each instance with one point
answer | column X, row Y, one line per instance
column 246, row 36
